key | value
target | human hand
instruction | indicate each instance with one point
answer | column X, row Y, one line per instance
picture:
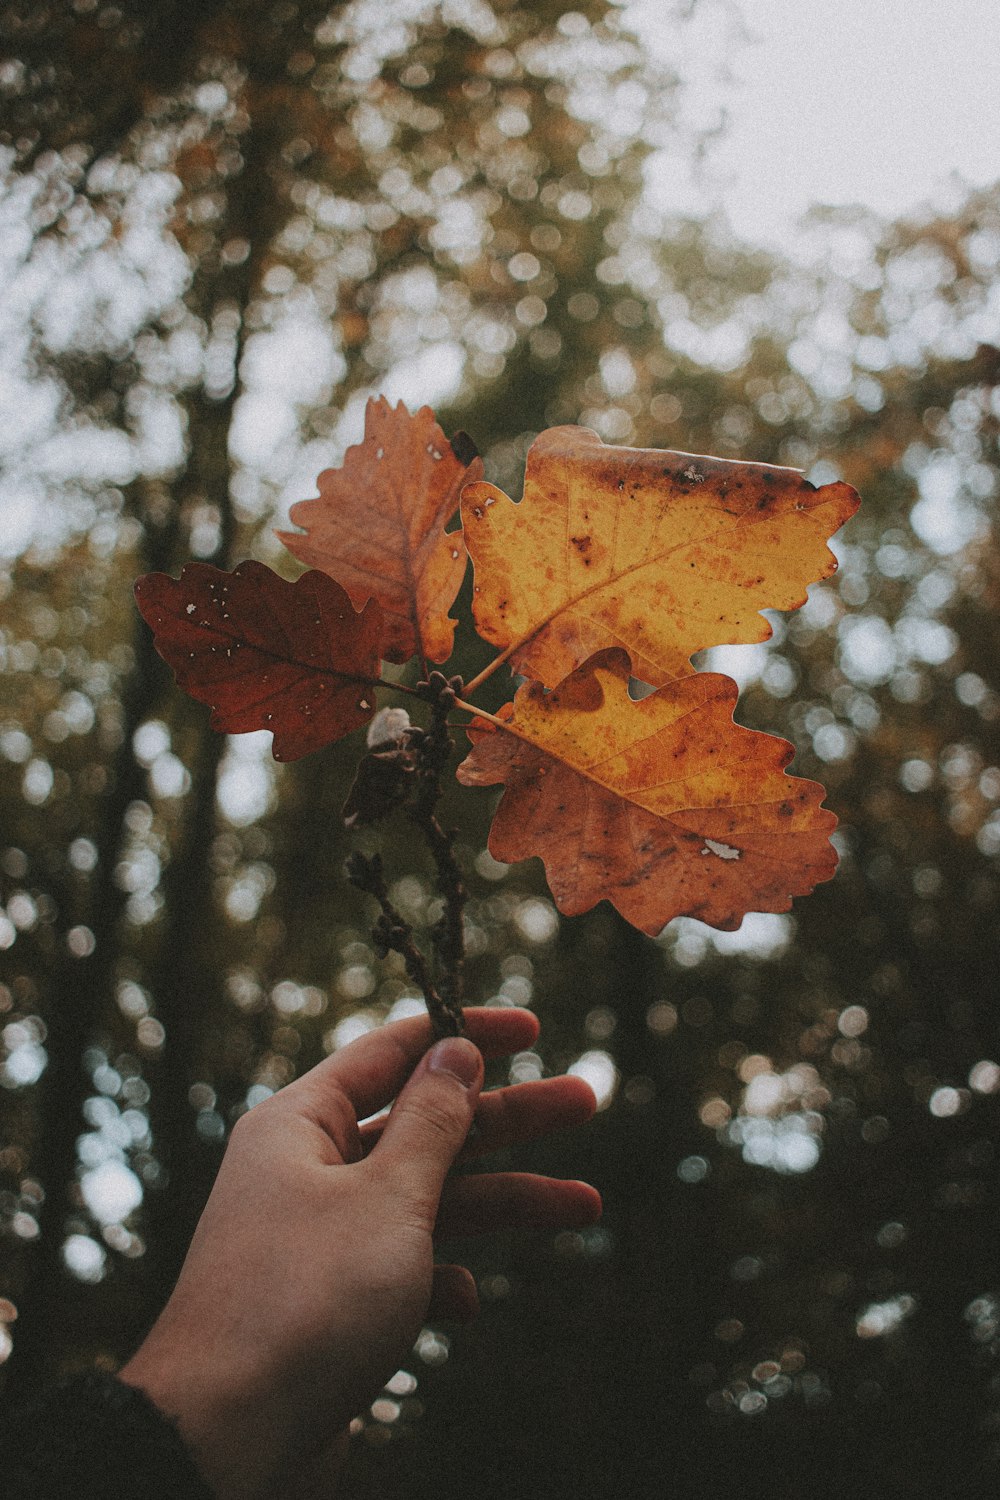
column 311, row 1270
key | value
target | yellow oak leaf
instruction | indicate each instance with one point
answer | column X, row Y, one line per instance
column 661, row 554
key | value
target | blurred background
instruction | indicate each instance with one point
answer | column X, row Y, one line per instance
column 223, row 225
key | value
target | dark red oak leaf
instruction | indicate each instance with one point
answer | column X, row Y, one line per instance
column 295, row 658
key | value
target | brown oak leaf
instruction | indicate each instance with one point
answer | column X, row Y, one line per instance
column 662, row 806
column 377, row 526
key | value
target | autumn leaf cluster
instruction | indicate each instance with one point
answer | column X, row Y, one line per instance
column 622, row 766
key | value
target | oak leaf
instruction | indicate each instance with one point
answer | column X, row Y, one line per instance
column 661, row 554
column 664, row 806
column 295, row 658
column 377, row 526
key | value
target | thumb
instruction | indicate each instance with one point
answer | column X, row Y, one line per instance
column 429, row 1121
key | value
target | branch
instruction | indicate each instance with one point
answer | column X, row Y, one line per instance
column 433, row 752
column 393, row 932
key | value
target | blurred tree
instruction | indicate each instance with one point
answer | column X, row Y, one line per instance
column 795, row 1282
column 224, row 229
column 232, row 222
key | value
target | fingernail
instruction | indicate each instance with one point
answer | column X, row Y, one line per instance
column 457, row 1056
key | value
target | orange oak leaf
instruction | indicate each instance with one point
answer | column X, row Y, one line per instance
column 664, row 806
column 377, row 526
column 658, row 553
column 295, row 658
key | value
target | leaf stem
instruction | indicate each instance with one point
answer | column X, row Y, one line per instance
column 491, row 667
column 397, row 687
column 480, row 713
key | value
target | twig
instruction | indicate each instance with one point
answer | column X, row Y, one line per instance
column 393, row 932
column 433, row 754
column 407, row 768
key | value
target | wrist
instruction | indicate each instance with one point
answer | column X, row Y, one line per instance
column 226, row 1431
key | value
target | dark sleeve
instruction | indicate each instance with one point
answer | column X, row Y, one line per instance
column 93, row 1437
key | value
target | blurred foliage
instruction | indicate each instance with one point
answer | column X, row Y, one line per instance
column 226, row 225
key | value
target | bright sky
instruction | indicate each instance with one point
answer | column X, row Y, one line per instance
column 843, row 101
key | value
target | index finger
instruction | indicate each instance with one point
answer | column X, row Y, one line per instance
column 371, row 1070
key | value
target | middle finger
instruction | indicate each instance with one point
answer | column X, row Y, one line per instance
column 521, row 1112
